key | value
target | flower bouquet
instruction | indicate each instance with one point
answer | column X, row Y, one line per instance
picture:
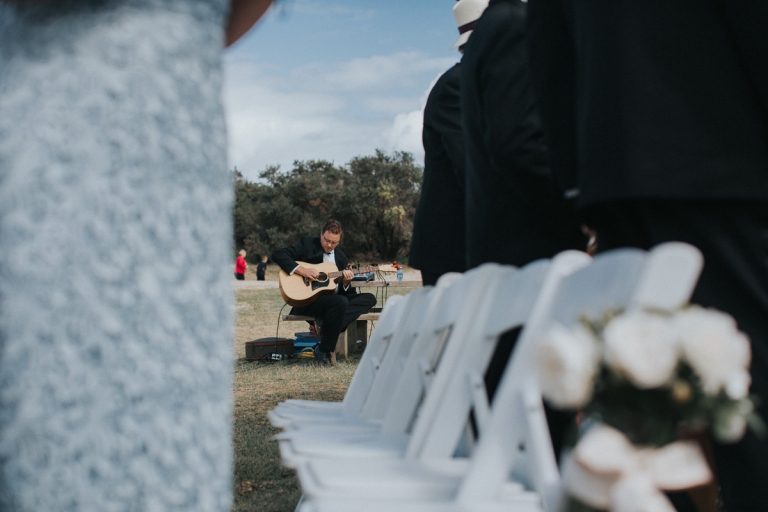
column 638, row 378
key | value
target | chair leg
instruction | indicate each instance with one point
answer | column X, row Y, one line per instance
column 352, row 336
column 341, row 345
column 362, row 333
column 298, row 505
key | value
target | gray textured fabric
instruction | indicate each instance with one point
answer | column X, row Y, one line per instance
column 115, row 233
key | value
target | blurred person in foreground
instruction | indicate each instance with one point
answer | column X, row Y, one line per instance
column 115, row 369
column 438, row 244
column 657, row 114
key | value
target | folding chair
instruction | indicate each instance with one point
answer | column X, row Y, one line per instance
column 516, row 440
column 408, row 386
column 354, row 399
column 447, row 285
column 457, row 388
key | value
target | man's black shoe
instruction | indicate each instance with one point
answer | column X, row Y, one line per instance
column 321, row 357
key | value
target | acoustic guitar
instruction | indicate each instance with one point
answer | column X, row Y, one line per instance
column 300, row 291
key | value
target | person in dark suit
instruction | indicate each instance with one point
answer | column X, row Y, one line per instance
column 333, row 313
column 660, row 111
column 438, row 244
column 514, row 211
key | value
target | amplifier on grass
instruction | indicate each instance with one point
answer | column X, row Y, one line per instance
column 265, row 349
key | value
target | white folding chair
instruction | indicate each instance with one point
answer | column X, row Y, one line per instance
column 410, row 382
column 448, row 286
column 458, row 386
column 663, row 278
column 516, row 440
column 396, row 340
column 354, row 399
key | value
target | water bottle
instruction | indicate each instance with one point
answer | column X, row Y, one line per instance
column 399, row 273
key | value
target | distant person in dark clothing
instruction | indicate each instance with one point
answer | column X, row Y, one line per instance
column 333, row 313
column 667, row 104
column 261, row 269
column 438, row 245
column 515, row 210
column 240, row 266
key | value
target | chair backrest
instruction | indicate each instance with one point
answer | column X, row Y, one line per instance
column 399, row 346
column 443, row 415
column 517, row 440
column 377, row 344
column 460, row 297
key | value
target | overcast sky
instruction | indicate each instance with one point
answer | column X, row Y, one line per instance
column 334, row 79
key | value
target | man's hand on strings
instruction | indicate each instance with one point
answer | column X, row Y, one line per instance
column 309, row 273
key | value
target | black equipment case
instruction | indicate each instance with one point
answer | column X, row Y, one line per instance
column 267, row 349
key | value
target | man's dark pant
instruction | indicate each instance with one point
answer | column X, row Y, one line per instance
column 430, row 278
column 733, row 237
column 336, row 312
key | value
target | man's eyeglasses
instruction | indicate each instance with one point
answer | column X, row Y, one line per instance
column 331, row 243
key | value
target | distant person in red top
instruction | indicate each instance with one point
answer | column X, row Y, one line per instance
column 240, row 266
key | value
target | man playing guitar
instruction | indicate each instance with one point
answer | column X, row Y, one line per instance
column 332, row 313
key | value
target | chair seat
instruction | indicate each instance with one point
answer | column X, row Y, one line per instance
column 382, row 477
column 287, row 417
column 522, row 502
column 316, row 427
column 309, row 404
column 293, row 451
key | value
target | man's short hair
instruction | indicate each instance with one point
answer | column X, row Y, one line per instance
column 333, row 226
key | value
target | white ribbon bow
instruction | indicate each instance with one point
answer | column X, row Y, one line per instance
column 607, row 471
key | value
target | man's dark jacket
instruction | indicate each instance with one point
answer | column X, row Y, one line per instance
column 668, row 108
column 514, row 210
column 670, row 100
column 310, row 250
column 438, row 227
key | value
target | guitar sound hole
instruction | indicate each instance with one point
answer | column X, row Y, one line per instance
column 319, row 284
column 322, row 277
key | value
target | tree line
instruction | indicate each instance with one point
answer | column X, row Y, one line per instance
column 374, row 198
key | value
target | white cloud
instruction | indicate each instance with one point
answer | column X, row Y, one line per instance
column 405, row 134
column 321, row 9
column 276, row 116
column 398, row 70
column 392, row 105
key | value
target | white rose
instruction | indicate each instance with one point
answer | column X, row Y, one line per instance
column 730, row 428
column 737, row 385
column 639, row 494
column 567, row 363
column 715, row 349
column 642, row 347
column 731, row 423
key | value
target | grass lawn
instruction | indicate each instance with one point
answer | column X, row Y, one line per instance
column 261, row 483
